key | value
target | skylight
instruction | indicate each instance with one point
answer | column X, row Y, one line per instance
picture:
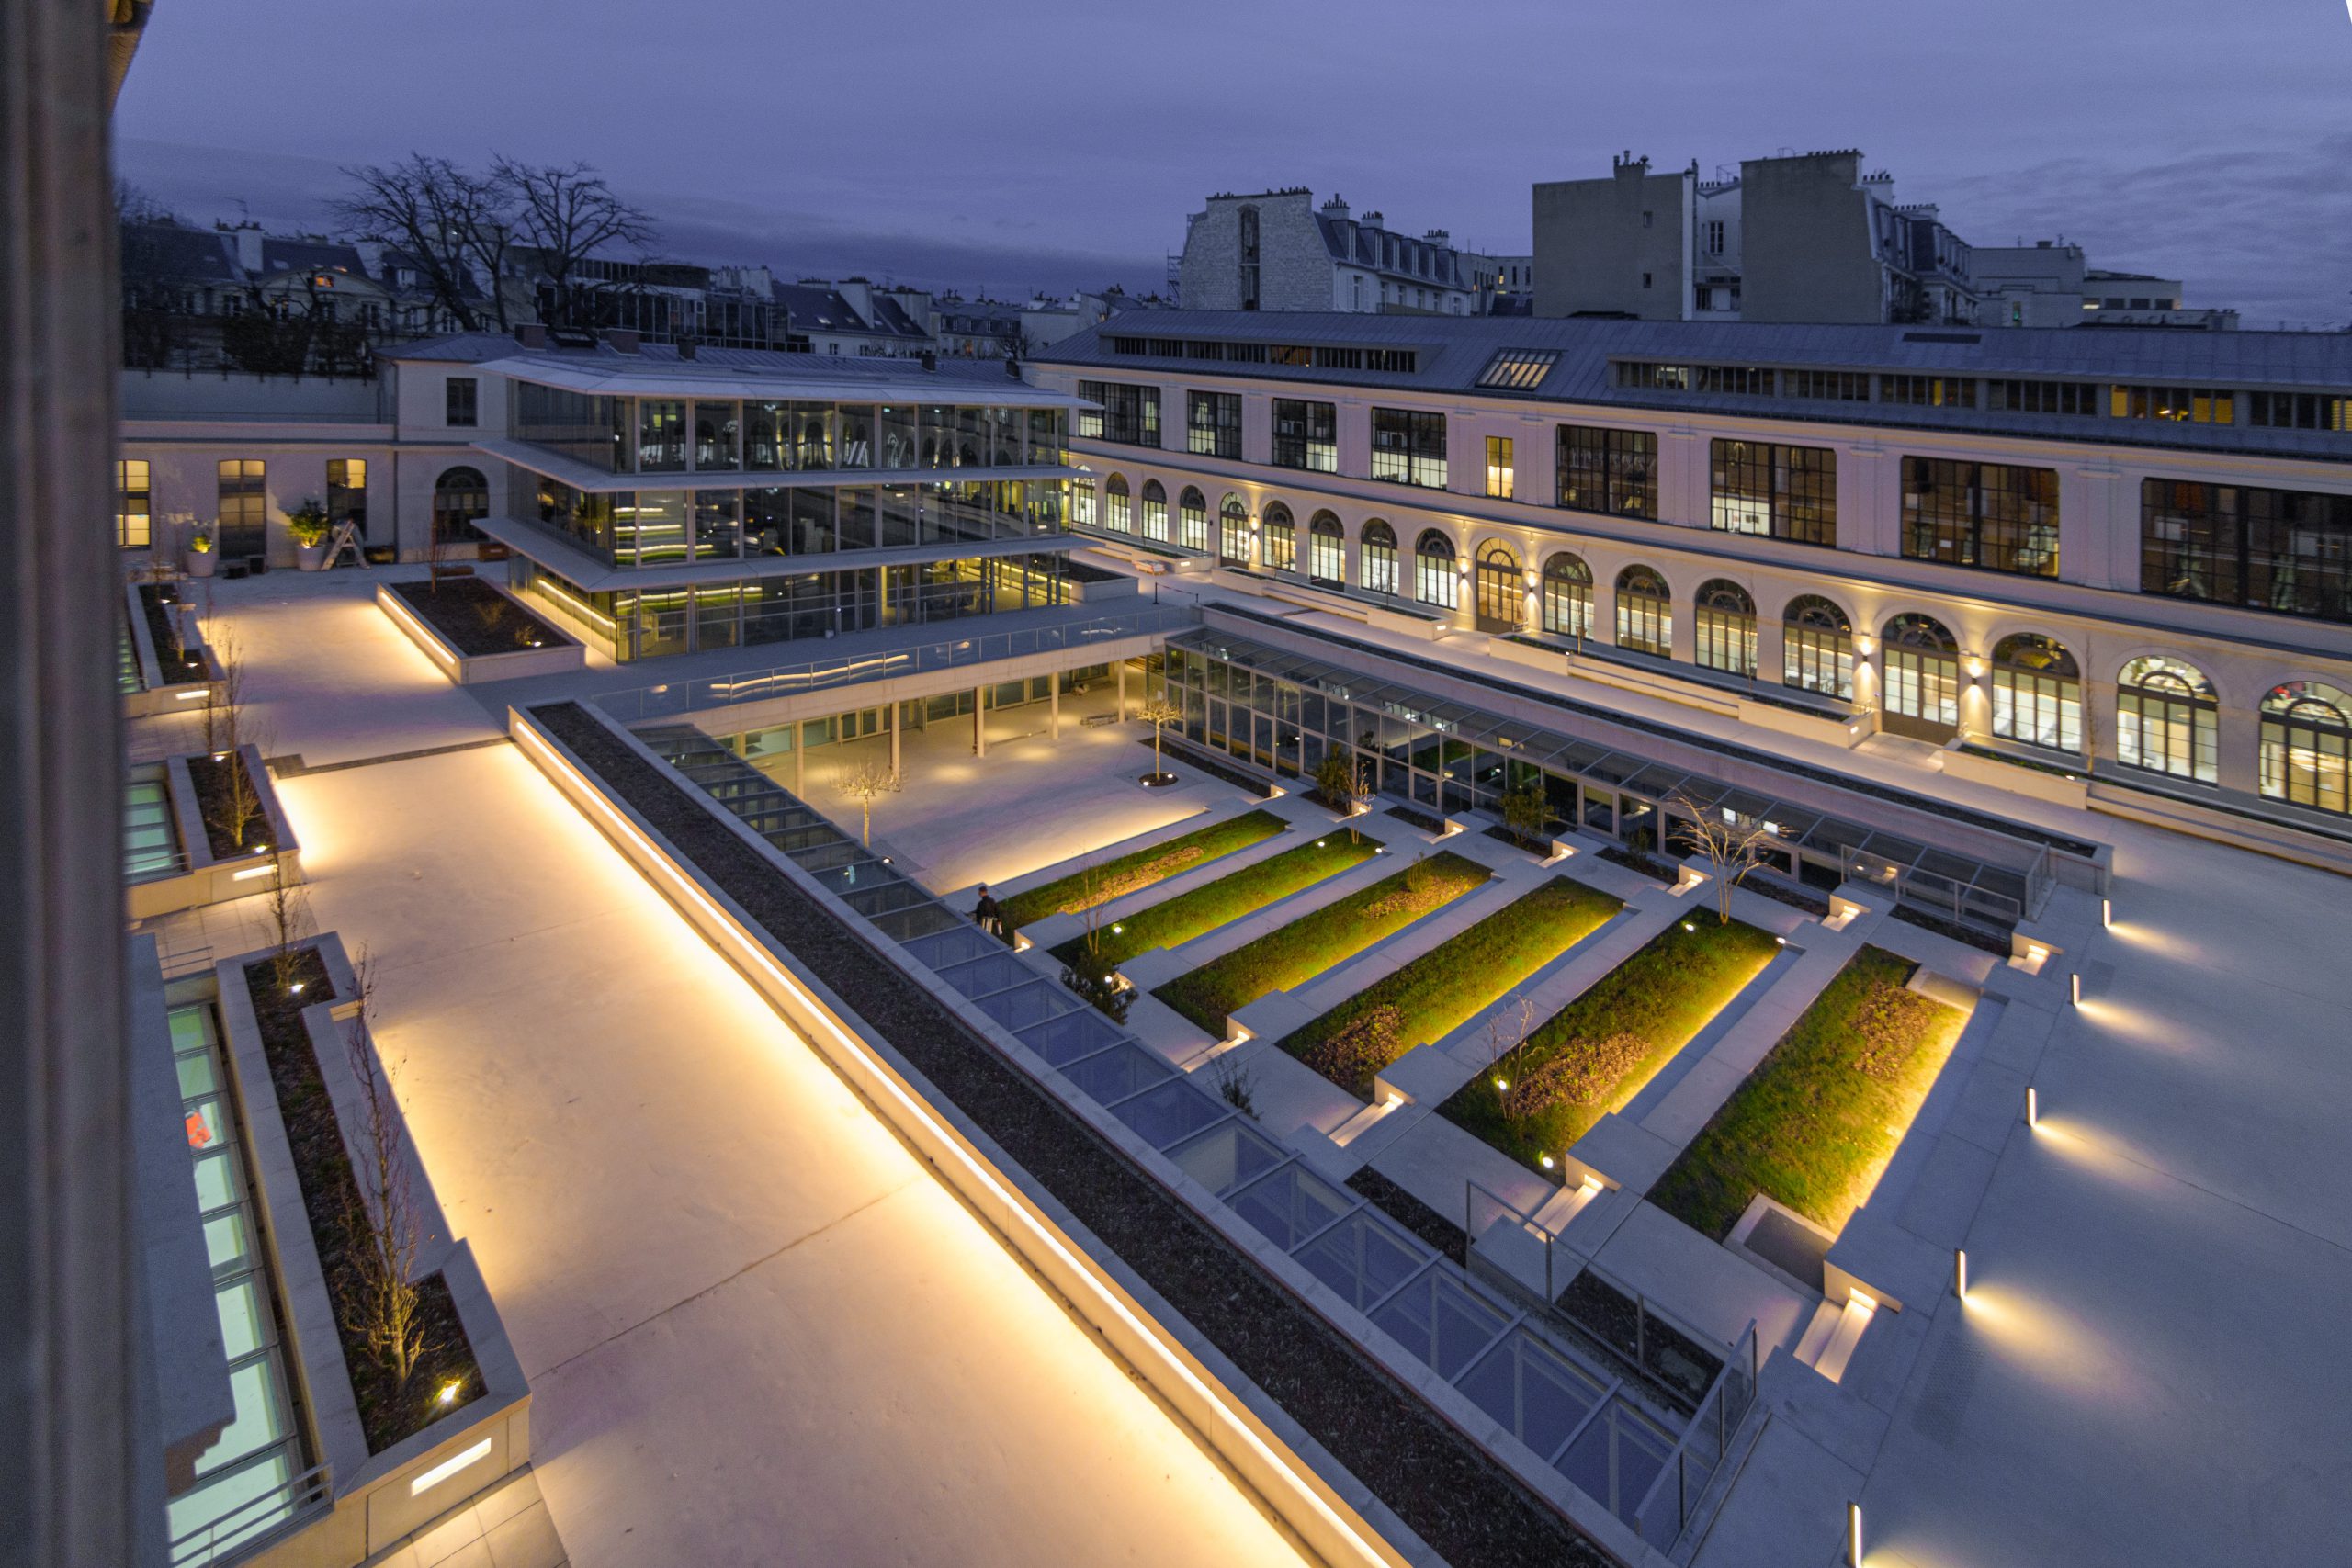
column 1516, row 369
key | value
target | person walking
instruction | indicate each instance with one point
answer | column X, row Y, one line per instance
column 991, row 918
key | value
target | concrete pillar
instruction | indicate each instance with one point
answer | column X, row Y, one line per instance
column 799, row 759
column 1123, row 690
column 1054, row 706
column 739, row 743
column 893, row 741
column 980, row 721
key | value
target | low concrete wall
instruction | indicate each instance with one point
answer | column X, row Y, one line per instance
column 480, row 669
column 208, row 879
column 2016, row 777
column 163, row 693
column 1117, row 591
column 1421, row 627
column 1285, row 1485
column 2280, row 840
column 373, row 1500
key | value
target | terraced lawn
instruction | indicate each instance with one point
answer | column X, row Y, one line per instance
column 1298, row 952
column 1452, row 982
column 1229, row 898
column 1595, row 1055
column 1095, row 885
column 1817, row 1121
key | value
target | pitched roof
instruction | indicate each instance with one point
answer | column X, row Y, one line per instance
column 814, row 307
column 157, row 252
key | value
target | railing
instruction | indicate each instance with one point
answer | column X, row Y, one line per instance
column 1674, row 1498
column 1960, row 902
column 258, row 1519
column 786, row 681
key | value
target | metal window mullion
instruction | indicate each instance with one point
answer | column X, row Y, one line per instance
column 1488, row 1349
column 1554, row 1458
column 1402, row 1285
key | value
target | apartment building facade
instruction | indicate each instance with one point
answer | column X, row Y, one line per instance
column 2119, row 555
column 1277, row 251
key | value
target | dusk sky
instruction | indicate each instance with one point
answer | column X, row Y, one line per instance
column 1053, row 144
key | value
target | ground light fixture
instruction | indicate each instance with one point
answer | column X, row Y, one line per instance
column 2107, row 911
column 1960, row 1272
column 2074, row 985
column 1853, row 1535
column 1547, row 1161
column 2032, row 1106
column 448, row 1394
column 1688, row 927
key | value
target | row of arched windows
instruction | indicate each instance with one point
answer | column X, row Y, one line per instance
column 2167, row 712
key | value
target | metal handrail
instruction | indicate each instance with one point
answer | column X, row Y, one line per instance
column 301, row 1496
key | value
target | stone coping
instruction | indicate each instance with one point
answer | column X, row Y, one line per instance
column 567, row 652
column 206, row 878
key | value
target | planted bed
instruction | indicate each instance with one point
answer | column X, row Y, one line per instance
column 1815, row 1124
column 1436, row 993
column 1283, row 959
column 1229, row 898
column 1082, row 890
column 1594, row 1055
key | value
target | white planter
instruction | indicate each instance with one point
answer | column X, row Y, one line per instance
column 200, row 562
column 311, row 558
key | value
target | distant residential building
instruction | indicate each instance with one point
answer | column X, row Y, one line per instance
column 1808, row 238
column 1516, row 275
column 1277, row 251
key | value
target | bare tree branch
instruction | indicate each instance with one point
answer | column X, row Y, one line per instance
column 441, row 217
column 1731, row 849
column 565, row 215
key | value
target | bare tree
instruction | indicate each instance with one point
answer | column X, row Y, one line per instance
column 237, row 805
column 225, row 698
column 134, row 203
column 1158, row 713
column 288, row 913
column 440, row 552
column 1089, row 972
column 563, row 215
column 1731, row 849
column 385, row 1232
column 866, row 784
column 445, row 220
column 1507, row 1027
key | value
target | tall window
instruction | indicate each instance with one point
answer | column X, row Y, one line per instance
column 2283, row 550
column 719, row 436
column 1435, row 581
column 2306, row 738
column 463, row 406
column 1116, row 515
column 1922, row 672
column 1567, row 596
column 1982, row 514
column 1212, row 424
column 1502, row 477
column 1233, row 531
column 662, row 436
column 1193, row 519
column 1155, row 512
column 1726, row 628
column 1608, row 470
column 1306, row 435
column 1281, row 536
column 1502, row 596
column 1081, row 504
column 134, row 505
column 347, row 493
column 1130, row 413
column 1817, row 647
column 1408, row 447
column 1785, row 492
column 1645, row 612
column 1376, row 557
column 461, row 497
column 1327, row 550
column 245, row 509
column 2036, row 692
column 2167, row 719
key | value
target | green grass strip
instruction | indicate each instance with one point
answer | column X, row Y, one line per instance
column 1283, row 959
column 1815, row 1124
column 1178, row 921
column 1433, row 995
column 1595, row 1055
column 1116, row 878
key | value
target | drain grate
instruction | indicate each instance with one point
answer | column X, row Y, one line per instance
column 1952, row 1383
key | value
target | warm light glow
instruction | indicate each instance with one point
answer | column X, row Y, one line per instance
column 448, row 1467
column 1547, row 1161
column 449, row 1393
column 249, row 873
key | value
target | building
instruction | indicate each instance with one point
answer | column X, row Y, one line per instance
column 2123, row 554
column 2048, row 284
column 1276, row 250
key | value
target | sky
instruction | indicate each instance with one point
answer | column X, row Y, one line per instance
column 1049, row 145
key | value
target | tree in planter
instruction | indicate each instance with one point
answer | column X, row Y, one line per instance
column 1340, row 782
column 1235, row 1083
column 1092, row 976
column 237, row 806
column 1158, row 713
column 308, row 522
column 866, row 784
column 288, row 916
column 1506, row 1030
column 1526, row 809
column 1731, row 849
column 384, row 1310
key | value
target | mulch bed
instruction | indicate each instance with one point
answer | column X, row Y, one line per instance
column 1540, row 848
column 174, row 662
column 1428, row 822
column 1411, row 1212
column 1468, row 1509
column 1794, row 898
column 1998, row 946
column 214, row 785
column 475, row 618
column 1177, row 751
column 1650, row 866
column 389, row 1411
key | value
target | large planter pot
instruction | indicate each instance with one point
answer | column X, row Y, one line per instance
column 200, row 562
column 311, row 558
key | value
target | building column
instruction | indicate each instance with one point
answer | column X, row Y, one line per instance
column 739, row 743
column 799, row 759
column 2238, row 738
column 894, row 741
column 1054, row 706
column 980, row 721
column 1123, row 690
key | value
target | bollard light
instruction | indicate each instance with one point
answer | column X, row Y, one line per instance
column 1960, row 1272
column 2032, row 1106
column 1853, row 1535
column 2074, row 982
column 2107, row 911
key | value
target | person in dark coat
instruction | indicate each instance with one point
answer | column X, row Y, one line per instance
column 991, row 918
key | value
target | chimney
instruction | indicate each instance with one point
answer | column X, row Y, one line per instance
column 930, row 360
column 1440, row 237
column 1011, row 367
column 531, row 334
column 248, row 236
column 1371, row 220
column 624, row 340
column 1336, row 208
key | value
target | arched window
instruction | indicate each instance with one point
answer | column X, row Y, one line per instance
column 2306, row 738
column 1376, row 557
column 1281, row 536
column 1502, row 595
column 1116, row 516
column 1922, row 675
column 1726, row 627
column 1192, row 520
column 1081, row 504
column 2036, row 692
column 1567, row 596
column 460, row 496
column 2167, row 719
column 1434, row 582
column 1155, row 512
column 1817, row 647
column 1232, row 531
column 1327, row 549
column 1645, row 612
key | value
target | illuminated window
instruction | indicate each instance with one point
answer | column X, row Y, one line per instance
column 1500, row 477
column 2167, row 719
column 134, row 507
column 2306, row 740
column 1645, row 612
column 2037, row 693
